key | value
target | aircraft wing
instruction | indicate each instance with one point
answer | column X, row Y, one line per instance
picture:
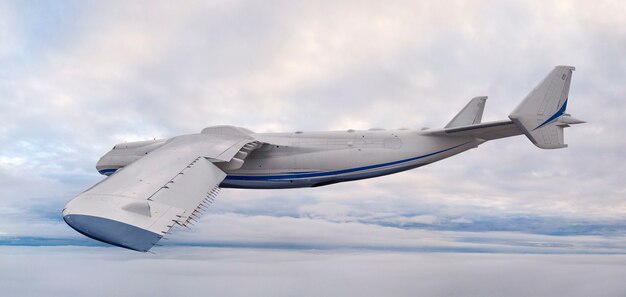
column 137, row 205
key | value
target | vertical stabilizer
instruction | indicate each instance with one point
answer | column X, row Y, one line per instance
column 471, row 114
column 541, row 116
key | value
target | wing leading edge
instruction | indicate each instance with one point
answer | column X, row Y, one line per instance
column 140, row 203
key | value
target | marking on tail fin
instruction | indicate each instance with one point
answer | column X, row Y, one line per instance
column 559, row 113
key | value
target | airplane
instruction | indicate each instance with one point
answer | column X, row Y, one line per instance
column 154, row 185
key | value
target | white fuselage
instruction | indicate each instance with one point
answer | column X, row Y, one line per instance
column 310, row 159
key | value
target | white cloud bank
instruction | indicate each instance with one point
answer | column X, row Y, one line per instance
column 69, row 271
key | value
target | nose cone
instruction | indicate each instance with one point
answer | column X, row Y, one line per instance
column 111, row 231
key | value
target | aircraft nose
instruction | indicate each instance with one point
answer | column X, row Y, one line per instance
column 109, row 230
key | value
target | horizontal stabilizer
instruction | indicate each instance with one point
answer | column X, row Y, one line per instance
column 485, row 131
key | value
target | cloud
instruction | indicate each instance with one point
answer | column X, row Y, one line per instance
column 93, row 271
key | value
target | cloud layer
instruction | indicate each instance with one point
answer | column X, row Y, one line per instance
column 246, row 272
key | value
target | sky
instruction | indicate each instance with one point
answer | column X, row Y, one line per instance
column 77, row 77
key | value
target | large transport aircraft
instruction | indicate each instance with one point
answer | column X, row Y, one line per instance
column 156, row 184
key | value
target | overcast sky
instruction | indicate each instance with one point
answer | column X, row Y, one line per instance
column 77, row 77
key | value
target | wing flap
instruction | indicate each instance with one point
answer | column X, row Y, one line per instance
column 190, row 187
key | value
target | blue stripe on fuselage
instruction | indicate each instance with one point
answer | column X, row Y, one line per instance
column 337, row 172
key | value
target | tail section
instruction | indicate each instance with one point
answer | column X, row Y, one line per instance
column 541, row 116
column 471, row 114
column 467, row 123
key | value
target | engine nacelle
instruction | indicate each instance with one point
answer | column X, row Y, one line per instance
column 126, row 153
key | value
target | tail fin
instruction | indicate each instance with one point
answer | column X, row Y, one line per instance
column 471, row 114
column 541, row 116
